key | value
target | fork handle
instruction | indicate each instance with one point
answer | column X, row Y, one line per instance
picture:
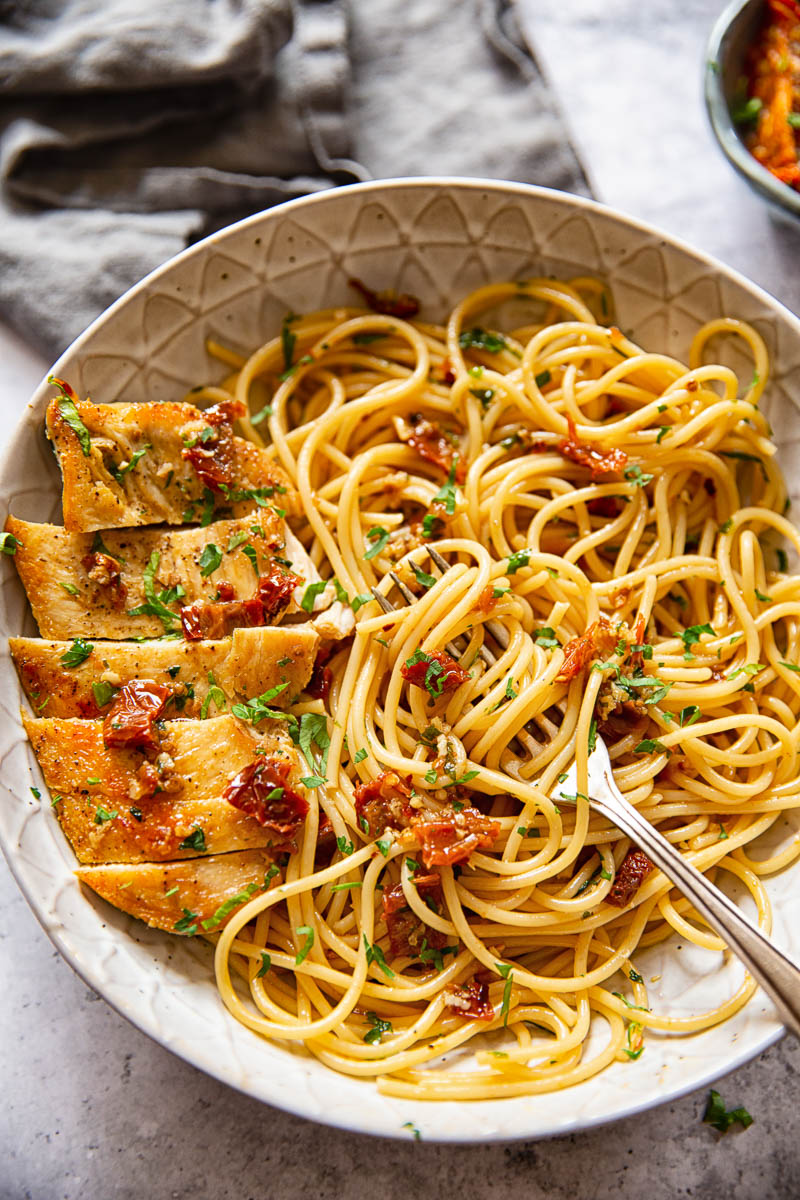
column 777, row 974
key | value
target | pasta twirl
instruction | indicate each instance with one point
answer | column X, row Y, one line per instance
column 615, row 523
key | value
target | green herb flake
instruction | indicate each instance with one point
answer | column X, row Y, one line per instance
column 210, row 559
column 520, row 558
column 78, row 652
column 120, row 470
column 379, row 1028
column 721, row 1118
column 71, row 416
column 187, row 923
column 9, row 545
column 228, row 906
column 546, row 637
column 634, row 475
column 375, row 955
column 308, row 934
column 379, row 537
column 196, row 840
column 478, row 338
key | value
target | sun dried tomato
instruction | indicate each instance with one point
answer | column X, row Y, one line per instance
column 406, row 931
column 275, row 589
column 390, row 303
column 260, row 790
column 586, row 454
column 435, row 671
column 448, row 374
column 134, row 709
column 487, row 599
column 319, row 685
column 432, row 444
column 217, row 619
column 450, row 838
column 212, row 458
column 105, row 571
column 599, row 637
column 471, row 1000
column 225, row 590
column 603, row 506
column 384, row 801
column 633, row 870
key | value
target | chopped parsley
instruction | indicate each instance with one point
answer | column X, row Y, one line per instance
column 71, row 416
column 692, row 635
column 119, row 472
column 214, row 695
column 310, row 594
column 69, row 588
column 546, row 637
column 9, row 544
column 485, row 395
column 78, row 652
column 361, row 754
column 251, row 555
column 266, row 963
column 312, row 729
column 721, row 1118
column 375, row 955
column 378, row 539
column 308, row 933
column 634, row 475
column 156, row 605
column 187, row 923
column 447, row 494
column 379, row 1028
column 478, row 338
column 257, row 708
column 210, row 559
column 102, row 815
column 195, row 841
column 649, row 745
column 228, row 906
column 262, row 415
column 520, row 558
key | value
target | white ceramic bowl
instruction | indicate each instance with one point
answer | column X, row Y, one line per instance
column 436, row 238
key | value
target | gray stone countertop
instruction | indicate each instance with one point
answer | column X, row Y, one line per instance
column 94, row 1109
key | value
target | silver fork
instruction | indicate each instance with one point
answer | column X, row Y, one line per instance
column 777, row 974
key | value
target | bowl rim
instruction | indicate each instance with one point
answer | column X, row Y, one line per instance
column 722, row 125
column 142, row 1017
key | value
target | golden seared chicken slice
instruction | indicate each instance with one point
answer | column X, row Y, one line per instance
column 134, row 788
column 81, row 678
column 132, row 582
column 140, row 464
column 192, row 896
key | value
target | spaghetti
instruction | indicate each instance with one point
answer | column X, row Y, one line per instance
column 612, row 519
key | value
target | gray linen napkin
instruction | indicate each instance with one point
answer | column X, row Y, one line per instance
column 131, row 127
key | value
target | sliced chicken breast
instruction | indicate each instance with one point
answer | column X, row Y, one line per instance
column 249, row 663
column 195, row 896
column 106, row 798
column 141, row 464
column 80, row 584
